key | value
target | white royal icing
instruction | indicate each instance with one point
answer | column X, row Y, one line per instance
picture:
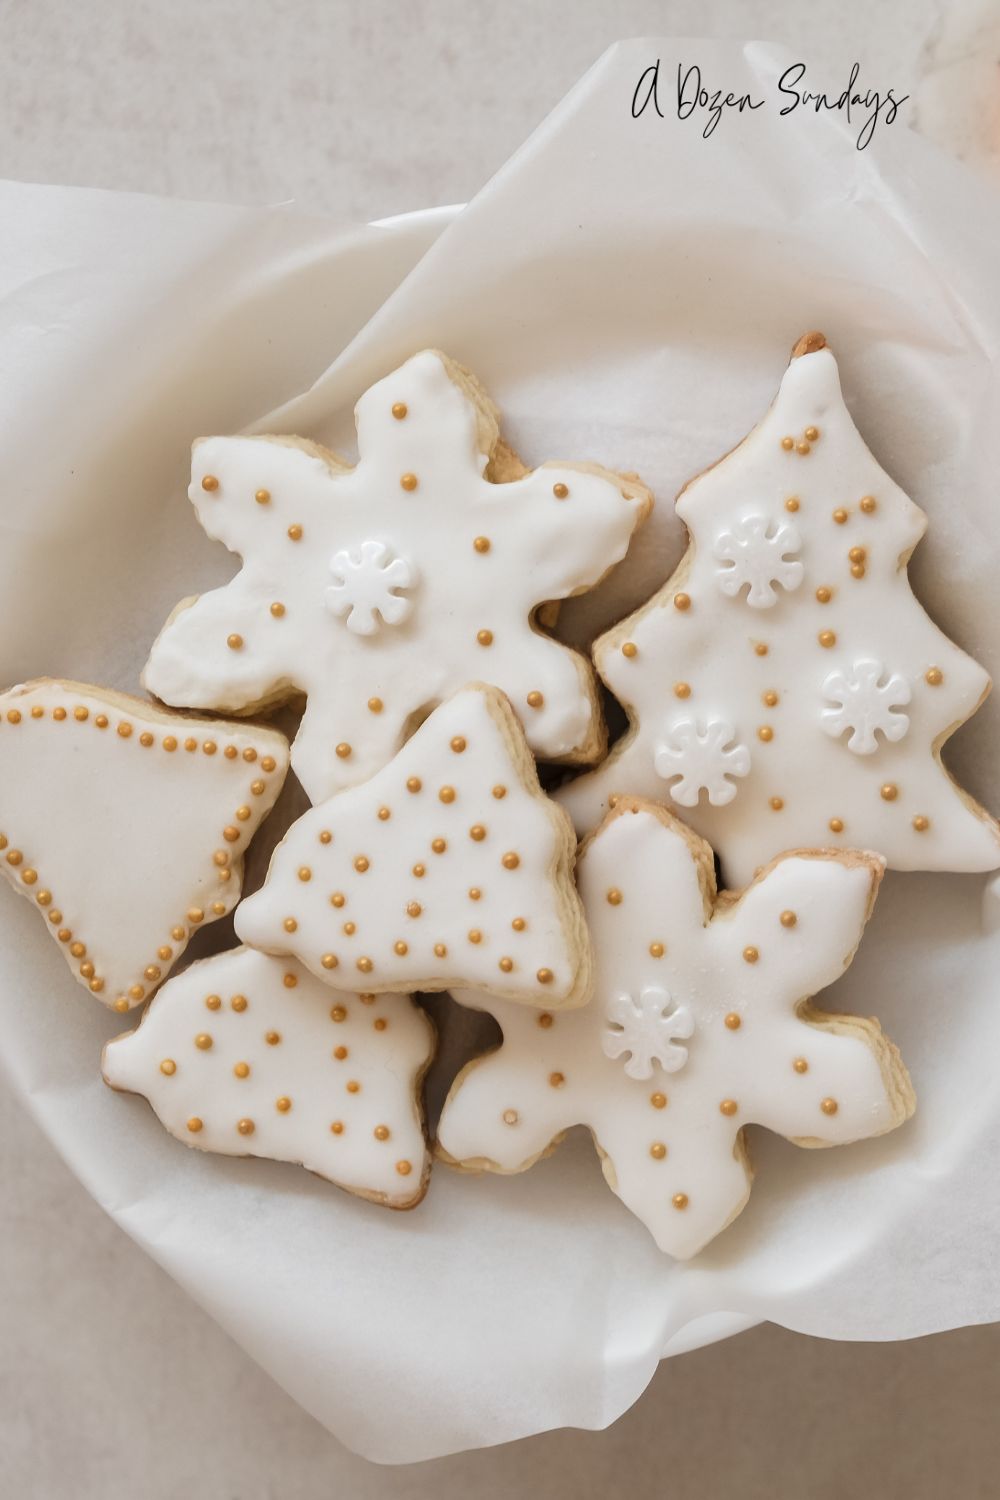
column 366, row 585
column 865, row 700
column 126, row 826
column 703, row 760
column 467, row 564
column 672, row 1141
column 643, row 1031
column 247, row 1056
column 772, row 673
column 449, row 867
column 757, row 555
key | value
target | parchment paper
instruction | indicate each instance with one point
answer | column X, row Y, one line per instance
column 629, row 292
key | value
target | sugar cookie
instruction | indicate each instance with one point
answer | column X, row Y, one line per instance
column 245, row 1055
column 785, row 687
column 698, row 1026
column 450, row 867
column 126, row 825
column 378, row 591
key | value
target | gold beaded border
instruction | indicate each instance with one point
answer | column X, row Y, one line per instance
column 232, row 834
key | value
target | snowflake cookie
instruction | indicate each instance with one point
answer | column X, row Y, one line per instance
column 380, row 590
column 790, row 629
column 699, row 1026
column 246, row 1056
column 450, row 867
column 126, row 825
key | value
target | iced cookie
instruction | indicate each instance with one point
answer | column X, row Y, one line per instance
column 785, row 688
column 450, row 867
column 126, row 825
column 699, row 1025
column 378, row 591
column 246, row 1056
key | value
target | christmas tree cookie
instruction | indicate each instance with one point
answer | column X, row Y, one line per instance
column 785, row 688
column 450, row 867
column 700, row 1025
column 247, row 1056
column 380, row 590
column 126, row 826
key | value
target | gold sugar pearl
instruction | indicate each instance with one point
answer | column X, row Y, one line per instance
column 87, row 971
column 519, row 924
column 560, row 491
column 190, row 744
column 283, row 1105
column 384, row 814
column 257, row 788
column 840, row 516
column 295, row 533
column 658, row 1151
column 305, row 873
column 239, row 1003
column 329, row 961
column 361, row 864
column 474, row 893
column 325, row 837
column 506, row 965
column 210, row 483
column 656, row 950
column 802, row 447
column 769, row 699
column 475, row 936
column 680, row 1201
column 829, row 1106
column 195, row 915
column 234, row 642
column 413, row 784
column 353, row 1086
column 868, row 504
column 290, row 924
column 400, row 948
column 614, row 896
column 556, row 1080
column 194, row 1124
column 267, row 763
column 827, row 638
column 289, row 981
column 535, row 699
column 446, row 794
column 209, row 747
column 481, row 544
column 733, row 1021
column 213, row 1002
column 203, row 1041
column 230, row 752
column 338, row 1013
column 57, row 713
column 824, row 595
column 477, row 833
column 658, row 1100
column 800, row 1065
column 811, row 434
column 509, row 1117
column 242, row 1070
column 29, row 876
column 145, row 739
column 219, row 907
column 857, row 555
column 272, row 1038
column 765, row 733
column 14, row 716
column 14, row 857
column 760, row 648
column 230, row 834
column 164, row 953
column 152, row 972
column 404, row 1168
column 934, row 676
column 399, row 410
column 365, row 965
column 788, row 919
column 511, row 861
column 419, row 871
column 413, row 909
column 630, row 649
column 277, row 609
column 751, row 954
column 262, row 497
column 78, row 949
column 889, row 791
column 340, row 1053
column 343, row 750
column 788, row 443
column 250, row 753
column 81, row 713
column 38, row 712
column 381, row 1132
column 836, row 825
column 484, row 637
column 337, row 1127
column 408, row 482
column 169, row 743
column 499, row 792
column 728, row 1107
column 168, row 1067
column 458, row 744
column 101, row 721
column 439, row 845
column 544, row 976
column 792, row 503
column 243, row 813
column 245, row 1127
column 921, row 824
column 682, row 601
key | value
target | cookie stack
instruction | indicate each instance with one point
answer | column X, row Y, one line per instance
column 788, row 698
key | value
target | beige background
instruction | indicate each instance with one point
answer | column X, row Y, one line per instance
column 112, row 1383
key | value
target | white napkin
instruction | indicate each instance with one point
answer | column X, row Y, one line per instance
column 629, row 292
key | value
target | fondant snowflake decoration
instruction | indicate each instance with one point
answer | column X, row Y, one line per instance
column 703, row 760
column 245, row 1056
column 758, row 554
column 126, row 826
column 451, row 866
column 643, row 1031
column 440, row 572
column 673, row 1144
column 791, row 678
column 865, row 702
column 366, row 585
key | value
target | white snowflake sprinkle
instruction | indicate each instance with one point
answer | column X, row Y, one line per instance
column 645, row 1029
column 365, row 581
column 865, row 700
column 703, row 760
column 758, row 553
